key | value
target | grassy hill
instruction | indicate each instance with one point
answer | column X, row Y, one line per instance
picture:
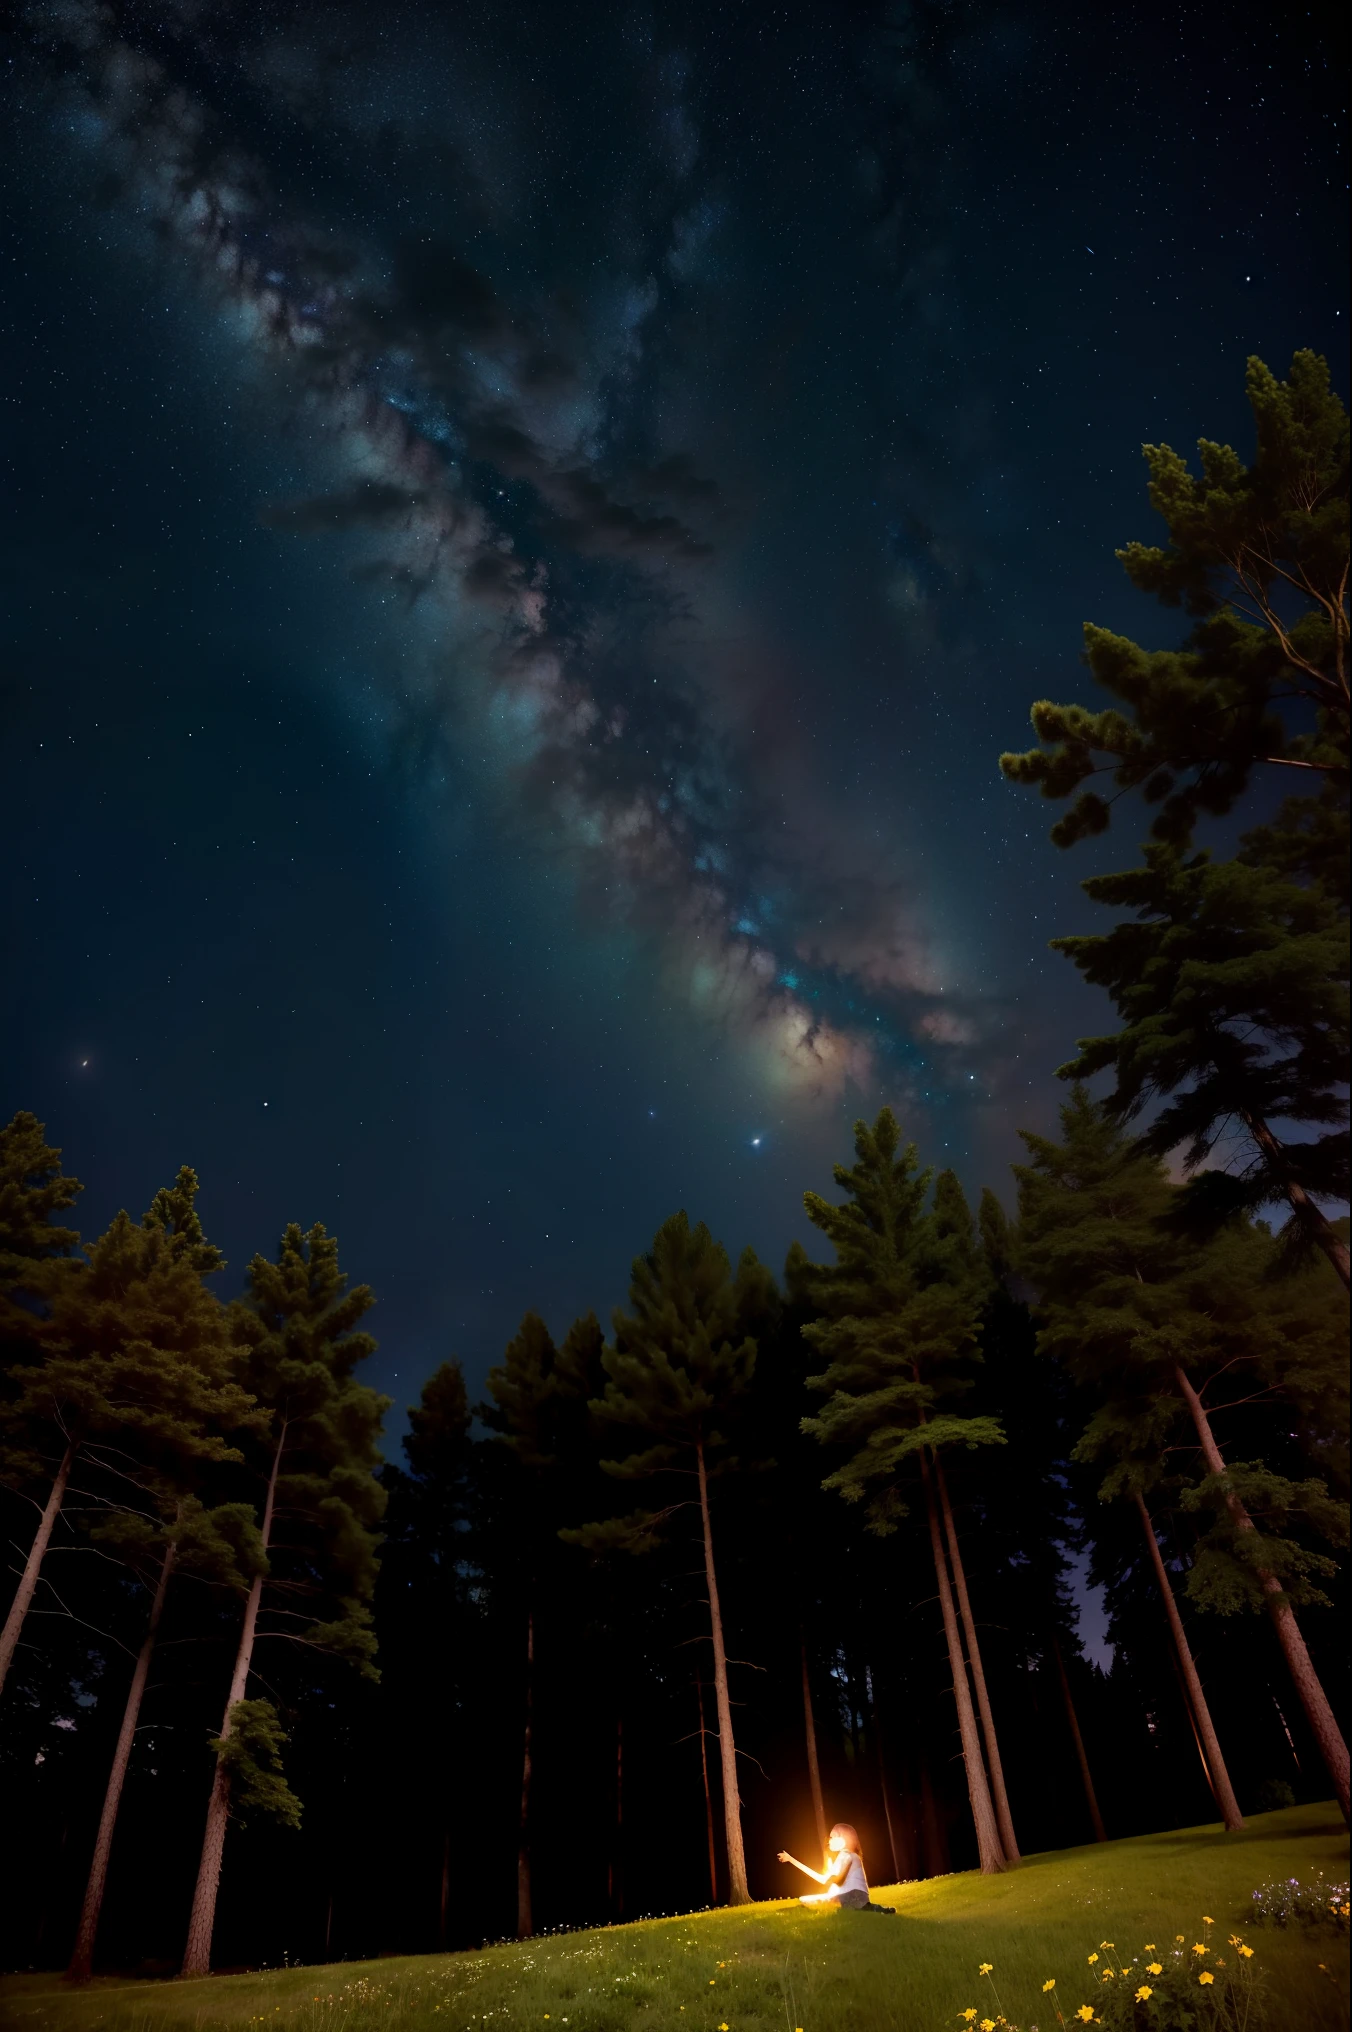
column 776, row 1968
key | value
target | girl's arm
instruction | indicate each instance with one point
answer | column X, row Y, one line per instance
column 816, row 1875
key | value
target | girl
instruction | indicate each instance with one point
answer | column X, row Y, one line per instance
column 847, row 1886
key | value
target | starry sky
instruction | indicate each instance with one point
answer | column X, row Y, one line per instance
column 525, row 530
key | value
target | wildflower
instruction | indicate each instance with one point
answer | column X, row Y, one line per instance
column 1206, row 1977
column 1144, row 1993
column 1150, row 1947
column 1207, row 1920
column 988, row 2025
column 1247, row 1952
column 1154, row 1968
column 985, row 1968
column 1198, row 1948
column 1050, row 1984
column 1179, row 1938
column 1086, row 2012
column 969, row 2014
column 1093, row 1958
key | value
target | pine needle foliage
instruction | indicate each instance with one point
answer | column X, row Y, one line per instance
column 900, row 1311
column 1259, row 554
column 300, row 1345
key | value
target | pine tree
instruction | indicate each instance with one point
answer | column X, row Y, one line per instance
column 172, row 1530
column 1142, row 1315
column 1232, row 983
column 539, row 1398
column 36, row 1257
column 297, row 1333
column 955, row 1232
column 678, row 1373
column 132, row 1358
column 899, row 1319
column 1260, row 555
column 425, row 1609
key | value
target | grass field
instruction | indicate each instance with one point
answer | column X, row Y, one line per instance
column 777, row 1966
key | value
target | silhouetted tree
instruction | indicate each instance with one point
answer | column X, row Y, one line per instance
column 296, row 1328
column 898, row 1322
column 1142, row 1315
column 678, row 1373
column 1232, row 982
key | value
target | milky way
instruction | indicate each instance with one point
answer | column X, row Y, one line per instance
column 500, row 461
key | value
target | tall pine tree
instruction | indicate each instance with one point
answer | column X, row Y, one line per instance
column 898, row 1326
column 1164, row 1332
column 678, row 1373
column 316, row 1532
column 1232, row 982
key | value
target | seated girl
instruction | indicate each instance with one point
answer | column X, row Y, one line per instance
column 846, row 1884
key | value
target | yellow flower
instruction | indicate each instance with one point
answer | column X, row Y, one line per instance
column 1050, row 1984
column 1206, row 1977
column 985, row 1968
column 1093, row 1958
column 1247, row 1952
column 988, row 2025
column 1198, row 1948
column 1150, row 1947
column 1144, row 1992
column 1207, row 1920
column 969, row 2014
column 1086, row 2012
column 1154, row 1968
column 724, row 2026
column 1107, row 1943
column 1179, row 1938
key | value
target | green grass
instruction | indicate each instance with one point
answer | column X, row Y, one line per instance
column 775, row 1967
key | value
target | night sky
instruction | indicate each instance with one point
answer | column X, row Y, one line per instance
column 525, row 531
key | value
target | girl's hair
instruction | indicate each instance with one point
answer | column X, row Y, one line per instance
column 849, row 1834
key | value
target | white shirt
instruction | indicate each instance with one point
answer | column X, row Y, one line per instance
column 854, row 1878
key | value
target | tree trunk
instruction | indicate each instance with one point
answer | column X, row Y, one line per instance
column 1315, row 1223
column 37, row 1552
column 814, row 1775
column 82, row 1958
column 1192, row 1727
column 708, row 1796
column 1313, row 1698
column 444, row 1900
column 1213, row 1762
column 524, row 1921
column 882, row 1786
column 202, row 1921
column 933, row 1832
column 1004, row 1820
column 983, row 1814
column 1086, row 1777
column 738, row 1893
column 617, row 1868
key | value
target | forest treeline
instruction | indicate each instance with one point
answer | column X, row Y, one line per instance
column 767, row 1549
